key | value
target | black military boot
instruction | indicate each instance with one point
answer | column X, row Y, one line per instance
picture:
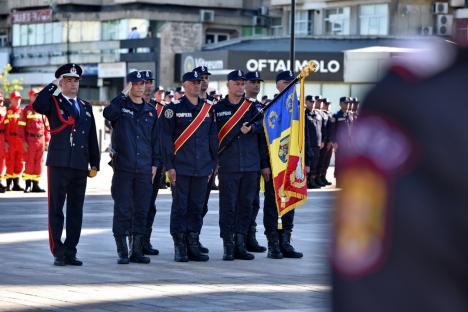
column 9, row 184
column 203, row 249
column 16, row 186
column 325, row 181
column 136, row 250
column 180, row 247
column 28, row 187
column 312, row 184
column 147, row 247
column 239, row 251
column 251, row 242
column 193, row 248
column 2, row 188
column 122, row 249
column 319, row 182
column 287, row 249
column 228, row 244
column 274, row 251
column 36, row 188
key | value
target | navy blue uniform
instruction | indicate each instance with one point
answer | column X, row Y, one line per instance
column 314, row 128
column 134, row 140
column 326, row 152
column 238, row 170
column 71, row 152
column 193, row 163
column 341, row 132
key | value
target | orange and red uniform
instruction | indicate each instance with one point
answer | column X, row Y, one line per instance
column 2, row 139
column 35, row 135
column 14, row 153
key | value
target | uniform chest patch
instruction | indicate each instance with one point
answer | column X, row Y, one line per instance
column 184, row 115
column 127, row 111
column 221, row 114
column 169, row 113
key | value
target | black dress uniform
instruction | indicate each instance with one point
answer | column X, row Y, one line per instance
column 279, row 240
column 327, row 151
column 193, row 163
column 134, row 140
column 411, row 228
column 73, row 148
column 238, row 173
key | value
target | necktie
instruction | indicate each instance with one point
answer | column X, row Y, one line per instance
column 75, row 109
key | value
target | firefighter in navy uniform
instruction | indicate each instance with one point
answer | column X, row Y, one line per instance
column 204, row 75
column 253, row 82
column 3, row 113
column 342, row 124
column 149, row 85
column 189, row 150
column 279, row 241
column 136, row 158
column 73, row 155
column 238, row 166
column 401, row 224
column 327, row 151
column 314, row 129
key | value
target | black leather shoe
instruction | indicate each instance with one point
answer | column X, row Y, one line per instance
column 203, row 249
column 59, row 261
column 73, row 261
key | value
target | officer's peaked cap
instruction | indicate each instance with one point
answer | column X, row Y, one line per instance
column 69, row 70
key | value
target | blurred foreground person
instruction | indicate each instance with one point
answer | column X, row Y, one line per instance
column 401, row 223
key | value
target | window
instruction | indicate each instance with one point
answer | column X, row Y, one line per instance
column 373, row 19
column 35, row 34
column 212, row 37
column 303, row 23
column 337, row 21
column 84, row 31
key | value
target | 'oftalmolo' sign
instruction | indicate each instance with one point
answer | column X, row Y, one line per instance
column 269, row 64
column 30, row 17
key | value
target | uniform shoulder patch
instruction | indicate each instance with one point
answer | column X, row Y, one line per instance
column 168, row 113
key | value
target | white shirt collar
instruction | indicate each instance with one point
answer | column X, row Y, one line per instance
column 68, row 99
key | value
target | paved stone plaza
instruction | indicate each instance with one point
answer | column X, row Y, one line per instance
column 30, row 282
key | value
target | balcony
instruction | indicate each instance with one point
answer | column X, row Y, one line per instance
column 140, row 50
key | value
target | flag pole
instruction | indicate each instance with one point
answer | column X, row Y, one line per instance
column 306, row 71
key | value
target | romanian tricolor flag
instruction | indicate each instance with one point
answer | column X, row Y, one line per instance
column 284, row 124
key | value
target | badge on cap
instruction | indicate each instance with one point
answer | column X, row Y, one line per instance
column 73, row 69
column 195, row 74
column 256, row 74
column 290, row 74
column 147, row 74
column 203, row 68
column 138, row 75
column 239, row 73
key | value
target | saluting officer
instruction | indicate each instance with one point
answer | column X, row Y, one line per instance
column 134, row 140
column 238, row 166
column 149, row 84
column 189, row 150
column 3, row 113
column 279, row 241
column 73, row 148
column 327, row 151
column 15, row 149
column 35, row 139
column 253, row 82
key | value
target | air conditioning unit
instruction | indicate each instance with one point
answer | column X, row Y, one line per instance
column 441, row 8
column 207, row 16
column 457, row 3
column 426, row 30
column 444, row 25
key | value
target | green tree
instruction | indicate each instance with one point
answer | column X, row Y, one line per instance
column 9, row 86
